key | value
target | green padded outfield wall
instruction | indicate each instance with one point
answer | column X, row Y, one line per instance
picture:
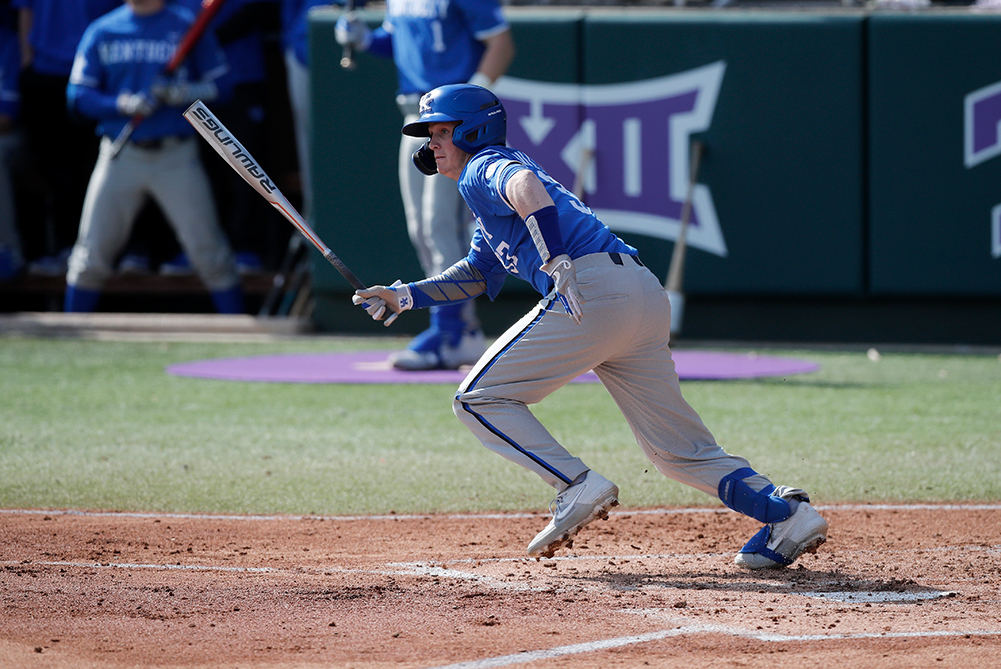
column 775, row 98
column 935, row 147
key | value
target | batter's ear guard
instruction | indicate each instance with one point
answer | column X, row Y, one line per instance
column 424, row 159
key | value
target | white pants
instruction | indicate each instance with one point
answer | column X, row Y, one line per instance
column 174, row 177
column 624, row 338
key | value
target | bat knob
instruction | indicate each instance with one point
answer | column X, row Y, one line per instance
column 348, row 63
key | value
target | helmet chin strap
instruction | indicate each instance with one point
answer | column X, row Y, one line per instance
column 424, row 159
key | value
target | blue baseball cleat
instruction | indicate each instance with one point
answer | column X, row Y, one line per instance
column 779, row 544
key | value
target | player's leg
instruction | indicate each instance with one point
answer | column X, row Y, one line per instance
column 113, row 198
column 538, row 355
column 298, row 90
column 643, row 382
column 182, row 190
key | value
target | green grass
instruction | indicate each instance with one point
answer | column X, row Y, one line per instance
column 100, row 425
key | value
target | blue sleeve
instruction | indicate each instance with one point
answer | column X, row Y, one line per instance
column 90, row 102
column 381, row 44
column 482, row 257
column 485, row 17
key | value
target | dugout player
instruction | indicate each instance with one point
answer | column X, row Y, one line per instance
column 434, row 44
column 602, row 310
column 116, row 75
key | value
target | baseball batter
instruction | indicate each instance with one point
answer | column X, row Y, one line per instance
column 117, row 75
column 436, row 43
column 602, row 310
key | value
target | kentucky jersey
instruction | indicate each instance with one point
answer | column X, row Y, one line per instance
column 437, row 42
column 502, row 243
column 122, row 52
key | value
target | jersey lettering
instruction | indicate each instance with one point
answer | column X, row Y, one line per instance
column 510, row 263
column 136, row 51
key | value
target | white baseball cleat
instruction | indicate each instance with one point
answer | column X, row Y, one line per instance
column 779, row 544
column 471, row 346
column 572, row 509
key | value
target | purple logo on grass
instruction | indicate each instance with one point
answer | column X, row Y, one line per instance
column 625, row 148
column 982, row 141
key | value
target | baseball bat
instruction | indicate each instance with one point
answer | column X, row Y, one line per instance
column 348, row 53
column 676, row 271
column 209, row 9
column 222, row 140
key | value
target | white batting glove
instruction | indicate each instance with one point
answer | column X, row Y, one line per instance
column 132, row 104
column 350, row 29
column 377, row 301
column 564, row 277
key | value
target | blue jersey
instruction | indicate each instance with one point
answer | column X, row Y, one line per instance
column 244, row 49
column 438, row 42
column 122, row 52
column 56, row 28
column 10, row 69
column 502, row 243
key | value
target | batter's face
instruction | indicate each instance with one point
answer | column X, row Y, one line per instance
column 449, row 158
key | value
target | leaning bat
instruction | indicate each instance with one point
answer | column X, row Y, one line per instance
column 209, row 10
column 348, row 53
column 677, row 268
column 222, row 140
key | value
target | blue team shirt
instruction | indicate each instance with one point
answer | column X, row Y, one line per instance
column 10, row 68
column 438, row 42
column 56, row 28
column 502, row 244
column 124, row 52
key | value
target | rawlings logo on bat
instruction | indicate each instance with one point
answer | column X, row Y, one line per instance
column 237, row 152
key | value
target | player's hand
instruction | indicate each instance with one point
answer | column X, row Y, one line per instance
column 564, row 276
column 350, row 29
column 134, row 104
column 378, row 301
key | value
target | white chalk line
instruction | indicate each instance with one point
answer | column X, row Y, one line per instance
column 703, row 628
column 475, row 516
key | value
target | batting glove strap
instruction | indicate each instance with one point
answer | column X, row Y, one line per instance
column 403, row 295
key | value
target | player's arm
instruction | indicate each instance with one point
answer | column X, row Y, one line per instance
column 460, row 282
column 495, row 60
column 529, row 198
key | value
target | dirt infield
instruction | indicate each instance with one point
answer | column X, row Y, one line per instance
column 908, row 586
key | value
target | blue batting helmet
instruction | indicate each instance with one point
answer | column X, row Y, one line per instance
column 481, row 116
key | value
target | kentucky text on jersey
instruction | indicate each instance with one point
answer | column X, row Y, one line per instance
column 137, row 51
column 421, row 9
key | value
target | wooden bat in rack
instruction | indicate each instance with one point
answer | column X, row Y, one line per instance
column 226, row 145
column 348, row 53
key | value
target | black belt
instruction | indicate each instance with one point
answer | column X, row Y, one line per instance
column 153, row 144
column 617, row 258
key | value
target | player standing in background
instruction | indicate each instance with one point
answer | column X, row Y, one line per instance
column 602, row 310
column 64, row 147
column 116, row 75
column 433, row 44
column 11, row 258
column 250, row 224
column 295, row 41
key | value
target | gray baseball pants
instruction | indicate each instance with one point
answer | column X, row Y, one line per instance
column 624, row 338
column 173, row 175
